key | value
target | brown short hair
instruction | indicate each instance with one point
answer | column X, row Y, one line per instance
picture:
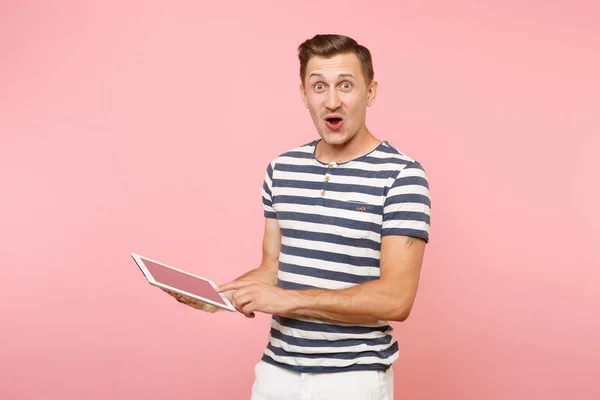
column 327, row 45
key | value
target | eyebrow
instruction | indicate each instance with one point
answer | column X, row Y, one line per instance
column 339, row 76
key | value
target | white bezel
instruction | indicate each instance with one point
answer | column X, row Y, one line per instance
column 139, row 260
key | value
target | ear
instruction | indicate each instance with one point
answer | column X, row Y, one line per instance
column 303, row 95
column 372, row 93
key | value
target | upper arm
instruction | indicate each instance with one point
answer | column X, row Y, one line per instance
column 267, row 193
column 271, row 244
column 272, row 233
column 405, row 233
column 400, row 267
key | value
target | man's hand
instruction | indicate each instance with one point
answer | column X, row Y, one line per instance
column 251, row 296
column 189, row 301
column 261, row 276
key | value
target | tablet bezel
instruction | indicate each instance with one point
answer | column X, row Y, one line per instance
column 139, row 260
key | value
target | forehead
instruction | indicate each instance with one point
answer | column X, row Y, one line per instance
column 332, row 67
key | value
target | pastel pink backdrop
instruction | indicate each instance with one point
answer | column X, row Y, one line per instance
column 147, row 127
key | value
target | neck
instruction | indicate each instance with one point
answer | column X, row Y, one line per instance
column 360, row 144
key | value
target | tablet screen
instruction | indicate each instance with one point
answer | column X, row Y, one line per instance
column 182, row 281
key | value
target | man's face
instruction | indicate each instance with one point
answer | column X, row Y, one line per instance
column 337, row 96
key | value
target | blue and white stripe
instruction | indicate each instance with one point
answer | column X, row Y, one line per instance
column 332, row 218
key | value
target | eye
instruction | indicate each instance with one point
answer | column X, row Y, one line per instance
column 346, row 86
column 318, row 86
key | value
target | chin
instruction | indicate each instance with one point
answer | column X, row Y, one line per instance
column 334, row 139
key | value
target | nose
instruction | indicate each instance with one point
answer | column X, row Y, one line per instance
column 333, row 100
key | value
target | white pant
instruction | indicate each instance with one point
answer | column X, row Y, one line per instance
column 275, row 383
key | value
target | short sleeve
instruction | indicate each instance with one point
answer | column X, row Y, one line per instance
column 267, row 192
column 407, row 207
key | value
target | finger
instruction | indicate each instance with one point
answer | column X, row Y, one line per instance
column 233, row 286
column 241, row 293
column 204, row 307
column 198, row 305
column 187, row 300
column 248, row 310
column 243, row 300
column 210, row 308
column 229, row 294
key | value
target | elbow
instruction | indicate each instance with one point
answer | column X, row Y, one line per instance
column 400, row 315
column 397, row 306
column 400, row 312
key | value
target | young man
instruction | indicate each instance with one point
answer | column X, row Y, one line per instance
column 347, row 220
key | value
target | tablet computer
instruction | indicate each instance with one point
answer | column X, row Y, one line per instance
column 167, row 277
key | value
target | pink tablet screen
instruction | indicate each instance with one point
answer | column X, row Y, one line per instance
column 182, row 281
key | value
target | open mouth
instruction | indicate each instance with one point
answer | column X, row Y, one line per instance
column 334, row 123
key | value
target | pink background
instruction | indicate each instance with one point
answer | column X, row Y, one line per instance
column 147, row 127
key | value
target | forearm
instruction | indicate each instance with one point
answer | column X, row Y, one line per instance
column 267, row 270
column 365, row 303
column 264, row 273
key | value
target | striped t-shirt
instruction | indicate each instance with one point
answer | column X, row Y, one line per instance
column 332, row 217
